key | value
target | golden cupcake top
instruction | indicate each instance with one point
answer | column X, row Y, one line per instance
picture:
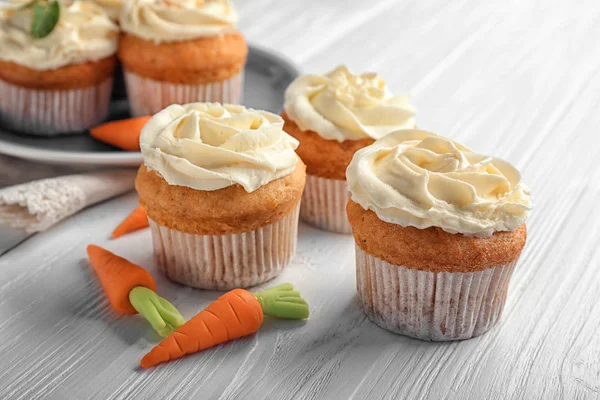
column 177, row 20
column 82, row 32
column 209, row 146
column 343, row 106
column 417, row 178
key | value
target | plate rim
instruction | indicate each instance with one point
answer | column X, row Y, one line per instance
column 121, row 158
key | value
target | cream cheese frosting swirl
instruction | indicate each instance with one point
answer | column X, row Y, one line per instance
column 112, row 7
column 84, row 32
column 177, row 20
column 417, row 178
column 209, row 146
column 343, row 106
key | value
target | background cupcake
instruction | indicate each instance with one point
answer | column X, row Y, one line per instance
column 56, row 71
column 438, row 232
column 222, row 187
column 333, row 116
column 113, row 9
column 182, row 51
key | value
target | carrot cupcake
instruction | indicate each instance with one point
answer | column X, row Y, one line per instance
column 56, row 67
column 438, row 232
column 181, row 51
column 333, row 116
column 222, row 186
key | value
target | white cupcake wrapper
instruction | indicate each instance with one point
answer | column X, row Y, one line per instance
column 148, row 96
column 225, row 262
column 324, row 204
column 53, row 112
column 431, row 306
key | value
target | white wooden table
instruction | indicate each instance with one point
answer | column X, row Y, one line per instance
column 519, row 79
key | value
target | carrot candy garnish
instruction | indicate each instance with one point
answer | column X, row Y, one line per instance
column 235, row 314
column 124, row 134
column 118, row 276
column 131, row 289
column 137, row 220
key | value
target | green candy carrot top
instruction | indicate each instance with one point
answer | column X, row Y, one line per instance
column 161, row 314
column 283, row 302
column 235, row 314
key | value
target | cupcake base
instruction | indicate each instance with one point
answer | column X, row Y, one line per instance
column 53, row 112
column 148, row 96
column 225, row 262
column 431, row 306
column 324, row 204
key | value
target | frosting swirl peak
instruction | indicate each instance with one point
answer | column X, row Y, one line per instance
column 209, row 146
column 343, row 106
column 417, row 178
column 83, row 33
column 112, row 7
column 177, row 20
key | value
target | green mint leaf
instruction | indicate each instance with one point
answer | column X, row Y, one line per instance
column 45, row 18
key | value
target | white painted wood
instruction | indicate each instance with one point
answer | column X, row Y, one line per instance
column 515, row 78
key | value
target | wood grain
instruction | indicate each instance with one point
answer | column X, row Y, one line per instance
column 520, row 80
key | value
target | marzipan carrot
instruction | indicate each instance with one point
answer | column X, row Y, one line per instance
column 137, row 220
column 131, row 289
column 235, row 314
column 118, row 277
column 124, row 134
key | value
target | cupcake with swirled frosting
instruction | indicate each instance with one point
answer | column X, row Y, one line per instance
column 180, row 51
column 222, row 186
column 55, row 69
column 334, row 115
column 438, row 230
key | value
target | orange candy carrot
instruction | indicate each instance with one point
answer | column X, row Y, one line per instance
column 124, row 134
column 137, row 220
column 118, row 277
column 235, row 314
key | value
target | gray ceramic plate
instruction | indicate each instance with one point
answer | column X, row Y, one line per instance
column 267, row 75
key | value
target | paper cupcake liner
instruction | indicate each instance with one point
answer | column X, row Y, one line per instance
column 225, row 262
column 53, row 112
column 148, row 96
column 324, row 204
column 431, row 306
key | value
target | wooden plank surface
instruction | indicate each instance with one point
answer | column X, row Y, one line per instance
column 519, row 79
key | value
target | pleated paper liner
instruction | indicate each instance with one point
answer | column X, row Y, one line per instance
column 431, row 306
column 53, row 112
column 148, row 96
column 224, row 262
column 324, row 204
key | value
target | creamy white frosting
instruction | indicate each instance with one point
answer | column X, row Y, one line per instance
column 112, row 7
column 83, row 33
column 209, row 146
column 417, row 178
column 177, row 20
column 343, row 106
column 13, row 4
